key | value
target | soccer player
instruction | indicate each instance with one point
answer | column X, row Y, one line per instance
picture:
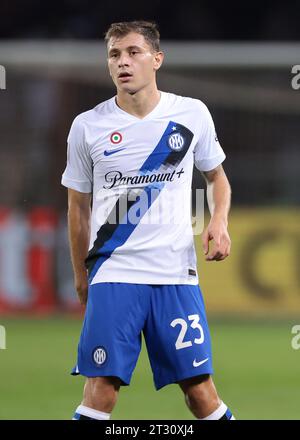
column 131, row 158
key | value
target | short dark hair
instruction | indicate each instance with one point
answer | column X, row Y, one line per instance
column 148, row 29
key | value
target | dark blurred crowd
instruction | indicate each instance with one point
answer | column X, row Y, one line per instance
column 202, row 19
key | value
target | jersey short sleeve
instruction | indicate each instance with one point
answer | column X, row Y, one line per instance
column 78, row 174
column 208, row 153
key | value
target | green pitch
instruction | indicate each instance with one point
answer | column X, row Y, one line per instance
column 256, row 373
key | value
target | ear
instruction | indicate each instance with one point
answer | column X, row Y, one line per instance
column 158, row 60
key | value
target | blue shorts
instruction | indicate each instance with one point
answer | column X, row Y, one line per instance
column 172, row 319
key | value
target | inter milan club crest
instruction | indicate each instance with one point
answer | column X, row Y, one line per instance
column 115, row 137
column 176, row 141
column 99, row 356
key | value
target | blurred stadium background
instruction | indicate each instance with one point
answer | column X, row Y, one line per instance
column 238, row 61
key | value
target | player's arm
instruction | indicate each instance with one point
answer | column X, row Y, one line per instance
column 79, row 215
column 218, row 198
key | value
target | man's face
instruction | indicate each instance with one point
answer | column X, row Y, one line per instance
column 132, row 62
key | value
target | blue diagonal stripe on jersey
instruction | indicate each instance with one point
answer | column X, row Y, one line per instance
column 162, row 151
column 125, row 227
column 110, row 237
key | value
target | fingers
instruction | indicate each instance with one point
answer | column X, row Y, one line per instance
column 81, row 286
column 216, row 256
column 220, row 251
column 83, row 294
column 217, row 232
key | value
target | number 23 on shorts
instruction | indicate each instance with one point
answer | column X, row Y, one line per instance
column 180, row 343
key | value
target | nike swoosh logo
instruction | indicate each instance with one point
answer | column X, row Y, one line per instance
column 108, row 153
column 197, row 364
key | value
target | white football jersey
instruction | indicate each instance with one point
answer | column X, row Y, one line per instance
column 140, row 172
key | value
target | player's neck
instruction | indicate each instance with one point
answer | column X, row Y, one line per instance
column 141, row 103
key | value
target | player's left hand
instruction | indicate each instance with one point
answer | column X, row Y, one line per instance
column 216, row 231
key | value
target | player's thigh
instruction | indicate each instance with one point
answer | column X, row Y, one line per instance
column 110, row 340
column 177, row 334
